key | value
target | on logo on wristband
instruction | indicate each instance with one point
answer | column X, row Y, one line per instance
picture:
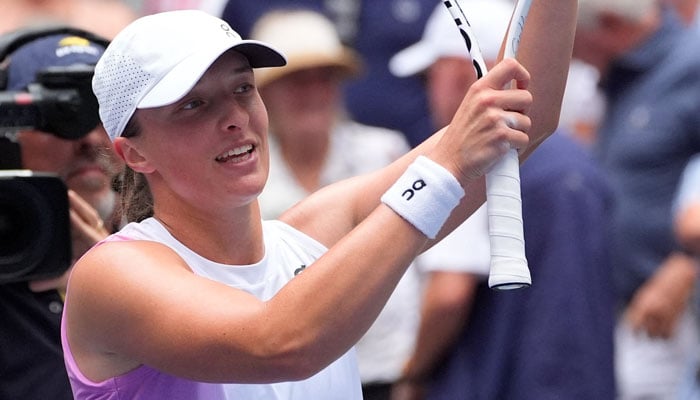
column 428, row 211
column 417, row 185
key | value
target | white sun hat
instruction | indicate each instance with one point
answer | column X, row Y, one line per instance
column 441, row 37
column 308, row 39
column 158, row 58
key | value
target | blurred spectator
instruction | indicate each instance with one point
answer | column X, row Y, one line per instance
column 651, row 83
column 428, row 316
column 31, row 358
column 583, row 106
column 474, row 342
column 377, row 30
column 313, row 142
column 687, row 10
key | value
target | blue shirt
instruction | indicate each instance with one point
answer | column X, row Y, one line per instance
column 553, row 340
column 651, row 129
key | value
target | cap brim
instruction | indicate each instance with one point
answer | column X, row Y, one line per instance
column 412, row 60
column 182, row 78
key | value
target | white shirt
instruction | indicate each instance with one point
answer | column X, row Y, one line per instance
column 286, row 249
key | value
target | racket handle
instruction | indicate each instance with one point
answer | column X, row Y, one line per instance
column 509, row 269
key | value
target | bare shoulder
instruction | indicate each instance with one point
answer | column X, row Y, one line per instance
column 125, row 307
column 116, row 261
column 107, row 289
column 118, row 266
column 116, row 277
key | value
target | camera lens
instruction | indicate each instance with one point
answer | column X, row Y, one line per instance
column 23, row 239
column 33, row 214
column 13, row 237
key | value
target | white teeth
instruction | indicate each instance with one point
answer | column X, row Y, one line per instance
column 237, row 152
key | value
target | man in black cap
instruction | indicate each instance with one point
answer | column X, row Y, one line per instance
column 31, row 358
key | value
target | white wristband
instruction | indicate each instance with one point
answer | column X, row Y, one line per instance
column 424, row 195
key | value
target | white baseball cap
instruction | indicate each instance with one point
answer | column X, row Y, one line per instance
column 158, row 58
column 441, row 37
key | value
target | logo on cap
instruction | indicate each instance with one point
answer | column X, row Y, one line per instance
column 229, row 31
column 75, row 45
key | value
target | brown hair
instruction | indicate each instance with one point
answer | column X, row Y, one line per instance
column 136, row 199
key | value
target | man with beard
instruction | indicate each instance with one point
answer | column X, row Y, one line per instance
column 31, row 359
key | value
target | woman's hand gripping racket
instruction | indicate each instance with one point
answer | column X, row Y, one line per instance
column 509, row 268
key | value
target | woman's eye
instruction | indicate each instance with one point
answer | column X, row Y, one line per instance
column 192, row 104
column 244, row 88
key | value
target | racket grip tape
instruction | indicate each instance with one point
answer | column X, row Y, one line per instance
column 509, row 269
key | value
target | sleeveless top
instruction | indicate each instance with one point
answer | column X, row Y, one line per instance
column 287, row 251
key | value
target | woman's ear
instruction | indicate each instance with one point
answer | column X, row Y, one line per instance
column 132, row 156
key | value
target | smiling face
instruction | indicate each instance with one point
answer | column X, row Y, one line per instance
column 208, row 149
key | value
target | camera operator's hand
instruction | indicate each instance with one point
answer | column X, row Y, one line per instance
column 59, row 283
column 87, row 228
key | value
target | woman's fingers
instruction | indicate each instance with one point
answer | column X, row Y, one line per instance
column 491, row 120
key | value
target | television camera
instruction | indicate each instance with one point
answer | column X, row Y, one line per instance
column 34, row 219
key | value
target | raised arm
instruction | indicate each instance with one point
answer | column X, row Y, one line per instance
column 545, row 51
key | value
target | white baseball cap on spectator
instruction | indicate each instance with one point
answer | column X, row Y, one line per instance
column 441, row 37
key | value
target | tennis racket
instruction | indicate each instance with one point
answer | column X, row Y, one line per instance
column 508, row 269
